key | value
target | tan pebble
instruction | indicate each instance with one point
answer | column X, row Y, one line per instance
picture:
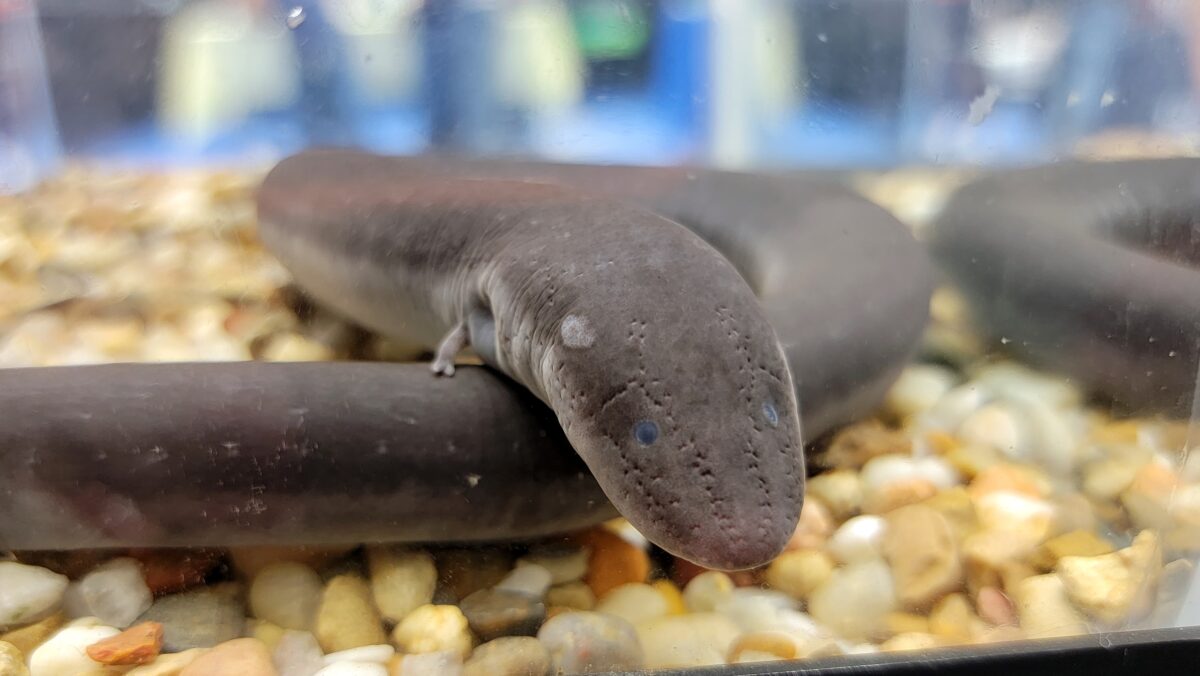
column 250, row 561
column 996, row 426
column 917, row 389
column 814, row 527
column 1118, row 587
column 1073, row 511
column 1018, row 513
column 29, row 637
column 566, row 565
column 923, row 553
column 972, row 460
column 1107, row 478
column 911, row 641
column 466, row 571
column 681, row 641
column 138, row 644
column 434, row 628
column 1045, row 610
column 1117, row 432
column 510, row 656
column 242, row 656
column 840, row 490
column 993, row 557
column 955, row 504
column 287, row 594
column 941, row 442
column 267, row 632
column 402, row 580
column 1009, row 477
column 896, row 494
column 994, row 607
column 853, row 446
column 1075, row 543
column 906, row 623
column 347, row 617
column 1002, row 634
column 12, row 663
column 1148, row 497
column 763, row 646
column 292, row 347
column 635, row 602
column 672, row 595
column 707, row 590
column 954, row 619
column 575, row 595
column 169, row 664
column 798, row 573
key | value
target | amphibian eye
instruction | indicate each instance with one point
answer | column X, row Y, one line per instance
column 770, row 413
column 646, row 432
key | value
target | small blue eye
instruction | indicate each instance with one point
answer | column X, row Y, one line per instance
column 646, row 432
column 771, row 414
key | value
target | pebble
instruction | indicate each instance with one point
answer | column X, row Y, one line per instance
column 613, row 561
column 65, row 654
column 137, row 645
column 923, row 554
column 565, row 565
column 31, row 636
column 115, row 591
column 28, row 593
column 250, row 561
column 197, row 619
column 706, row 591
column 800, row 572
column 1105, row 479
column 466, row 571
column 433, row 628
column 168, row 664
column 492, row 613
column 170, row 571
column 886, row 469
column 529, row 579
column 918, row 388
column 954, row 620
column 378, row 654
column 429, row 664
column 241, row 656
column 1149, row 497
column 353, row 669
column 573, row 595
column 267, row 632
column 12, row 663
column 859, row 539
column 634, row 602
column 999, row 427
column 402, row 580
column 912, row 642
column 1017, row 513
column 855, row 445
column 511, row 656
column 347, row 617
column 855, row 601
column 840, row 490
column 1074, row 543
column 286, row 594
column 672, row 595
column 1116, row 587
column 995, row 607
column 997, row 558
column 1044, row 609
column 297, row 654
column 753, row 609
column 680, row 641
column 585, row 642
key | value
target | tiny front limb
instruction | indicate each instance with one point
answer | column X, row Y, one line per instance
column 452, row 344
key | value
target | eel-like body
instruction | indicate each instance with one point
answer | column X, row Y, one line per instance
column 226, row 454
column 649, row 346
column 843, row 282
column 1090, row 269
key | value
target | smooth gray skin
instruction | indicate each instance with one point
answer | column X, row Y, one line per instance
column 1090, row 269
column 228, row 454
column 615, row 317
column 845, row 285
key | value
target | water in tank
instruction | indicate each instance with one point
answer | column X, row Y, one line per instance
column 585, row 336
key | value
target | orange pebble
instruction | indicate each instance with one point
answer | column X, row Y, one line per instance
column 168, row 571
column 613, row 561
column 138, row 644
column 1010, row 478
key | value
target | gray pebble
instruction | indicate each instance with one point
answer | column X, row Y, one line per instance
column 585, row 642
column 197, row 619
column 512, row 656
column 493, row 613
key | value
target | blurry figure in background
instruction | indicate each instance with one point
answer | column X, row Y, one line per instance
column 320, row 53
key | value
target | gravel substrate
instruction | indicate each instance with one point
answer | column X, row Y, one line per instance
column 985, row 502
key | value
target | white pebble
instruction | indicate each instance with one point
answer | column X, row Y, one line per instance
column 858, row 540
column 998, row 427
column 368, row 653
column 529, row 579
column 919, row 388
column 855, row 600
column 432, row 664
column 887, row 469
column 949, row 412
column 287, row 594
column 756, row 609
column 353, row 669
column 28, row 592
column 298, row 654
column 707, row 590
column 1016, row 382
column 65, row 654
column 634, row 602
column 115, row 592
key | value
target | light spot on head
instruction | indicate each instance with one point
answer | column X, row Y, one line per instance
column 577, row 332
column 770, row 413
column 473, row 480
column 646, row 432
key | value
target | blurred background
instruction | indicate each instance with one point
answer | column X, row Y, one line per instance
column 732, row 83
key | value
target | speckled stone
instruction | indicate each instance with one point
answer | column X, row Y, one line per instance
column 582, row 642
column 493, row 613
column 197, row 619
column 511, row 656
